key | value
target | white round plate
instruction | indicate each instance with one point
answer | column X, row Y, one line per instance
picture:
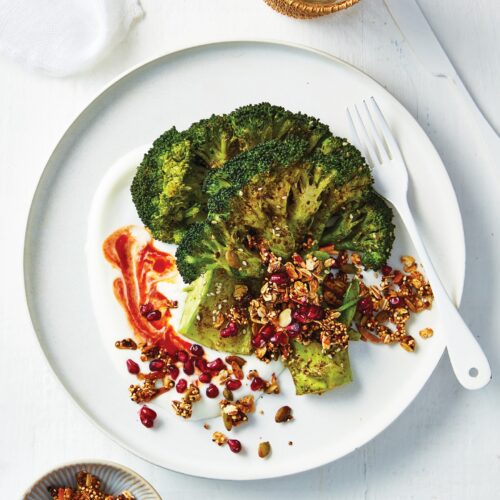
column 115, row 479
column 178, row 89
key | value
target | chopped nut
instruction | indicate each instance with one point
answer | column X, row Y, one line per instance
column 232, row 259
column 284, row 414
column 206, row 426
column 426, row 333
column 228, row 394
column 235, row 359
column 219, row 438
column 237, row 371
column 272, row 387
column 285, row 317
column 126, row 344
column 228, row 423
column 408, row 343
column 264, row 449
column 168, row 383
column 218, row 320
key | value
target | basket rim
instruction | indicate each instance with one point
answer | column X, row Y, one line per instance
column 305, row 6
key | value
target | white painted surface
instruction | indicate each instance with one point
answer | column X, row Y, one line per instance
column 447, row 444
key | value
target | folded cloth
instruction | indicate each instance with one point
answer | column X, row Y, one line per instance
column 62, row 37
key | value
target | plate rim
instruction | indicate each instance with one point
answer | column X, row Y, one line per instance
column 55, row 150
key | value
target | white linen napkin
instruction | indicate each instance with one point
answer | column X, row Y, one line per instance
column 62, row 37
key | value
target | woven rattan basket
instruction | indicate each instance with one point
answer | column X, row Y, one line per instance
column 307, row 9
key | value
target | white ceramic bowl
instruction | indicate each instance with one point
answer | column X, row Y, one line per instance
column 115, row 479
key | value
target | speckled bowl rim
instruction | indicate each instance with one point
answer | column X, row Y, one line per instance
column 85, row 462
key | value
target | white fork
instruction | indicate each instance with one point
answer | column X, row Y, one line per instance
column 391, row 180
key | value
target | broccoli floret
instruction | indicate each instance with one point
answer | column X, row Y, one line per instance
column 352, row 182
column 252, row 191
column 213, row 140
column 258, row 123
column 165, row 189
column 207, row 246
column 365, row 227
column 332, row 177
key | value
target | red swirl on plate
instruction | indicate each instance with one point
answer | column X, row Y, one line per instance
column 142, row 267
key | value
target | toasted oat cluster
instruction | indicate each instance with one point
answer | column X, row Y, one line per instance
column 235, row 413
column 384, row 311
column 88, row 487
column 290, row 307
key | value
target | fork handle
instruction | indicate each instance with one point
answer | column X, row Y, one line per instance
column 466, row 356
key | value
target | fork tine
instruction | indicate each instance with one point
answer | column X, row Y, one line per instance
column 360, row 132
column 386, row 131
column 383, row 152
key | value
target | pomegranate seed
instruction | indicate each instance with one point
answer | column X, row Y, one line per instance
column 297, row 259
column 216, row 365
column 315, row 312
column 396, row 301
column 181, row 385
column 258, row 341
column 280, row 279
column 299, row 316
column 234, row 445
column 365, row 306
column 153, row 315
column 173, row 371
column 145, row 309
column 146, row 421
column 157, row 365
column 201, row 364
column 212, row 391
column 182, row 356
column 233, row 384
column 293, row 329
column 267, row 331
column 257, row 384
column 280, row 339
column 189, row 367
column 231, row 330
column 197, row 350
column 133, row 367
column 147, row 412
column 205, row 378
column 386, row 270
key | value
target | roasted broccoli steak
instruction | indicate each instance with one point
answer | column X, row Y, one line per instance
column 257, row 201
column 166, row 187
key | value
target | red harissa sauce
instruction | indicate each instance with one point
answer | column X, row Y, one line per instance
column 142, row 267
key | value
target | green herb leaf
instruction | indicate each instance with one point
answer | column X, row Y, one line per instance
column 348, row 307
column 354, row 335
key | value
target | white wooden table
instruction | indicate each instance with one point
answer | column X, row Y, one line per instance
column 447, row 444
